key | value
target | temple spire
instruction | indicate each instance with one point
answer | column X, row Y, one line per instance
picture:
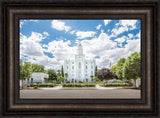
column 80, row 49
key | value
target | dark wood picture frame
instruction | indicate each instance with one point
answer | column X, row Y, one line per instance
column 12, row 12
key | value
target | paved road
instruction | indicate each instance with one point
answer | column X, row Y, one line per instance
column 94, row 94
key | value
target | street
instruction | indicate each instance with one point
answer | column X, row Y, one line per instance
column 90, row 93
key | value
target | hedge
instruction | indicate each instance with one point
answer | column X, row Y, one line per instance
column 116, row 84
column 78, row 85
column 46, row 85
column 42, row 85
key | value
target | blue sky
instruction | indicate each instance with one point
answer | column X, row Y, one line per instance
column 50, row 42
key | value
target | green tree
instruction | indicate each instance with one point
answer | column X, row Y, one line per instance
column 59, row 73
column 25, row 71
column 28, row 69
column 60, row 79
column 22, row 72
column 52, row 74
column 119, row 68
column 62, row 71
column 95, row 79
column 96, row 71
column 113, row 68
column 38, row 68
column 132, row 67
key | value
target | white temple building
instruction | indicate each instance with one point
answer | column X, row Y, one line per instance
column 79, row 69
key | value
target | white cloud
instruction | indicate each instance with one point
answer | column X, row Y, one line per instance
column 106, row 22
column 107, row 49
column 30, row 45
column 130, row 36
column 120, row 44
column 98, row 26
column 31, row 50
column 72, row 32
column 118, row 30
column 123, row 52
column 129, row 23
column 61, row 26
column 122, row 26
column 139, row 34
column 97, row 47
column 121, row 39
column 61, row 50
column 46, row 33
column 85, row 34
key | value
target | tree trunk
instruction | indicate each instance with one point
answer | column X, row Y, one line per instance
column 135, row 83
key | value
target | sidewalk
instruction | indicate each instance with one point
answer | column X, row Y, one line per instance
column 54, row 88
column 104, row 88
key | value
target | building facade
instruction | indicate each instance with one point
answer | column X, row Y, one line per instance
column 37, row 77
column 79, row 69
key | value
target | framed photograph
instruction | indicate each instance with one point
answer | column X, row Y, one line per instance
column 79, row 58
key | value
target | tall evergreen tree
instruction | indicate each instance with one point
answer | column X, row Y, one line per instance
column 62, row 71
column 96, row 71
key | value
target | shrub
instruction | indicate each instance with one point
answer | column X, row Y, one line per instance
column 35, row 87
column 78, row 85
column 127, row 81
column 46, row 85
column 119, row 81
column 32, row 84
column 116, row 84
column 101, row 82
column 42, row 85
